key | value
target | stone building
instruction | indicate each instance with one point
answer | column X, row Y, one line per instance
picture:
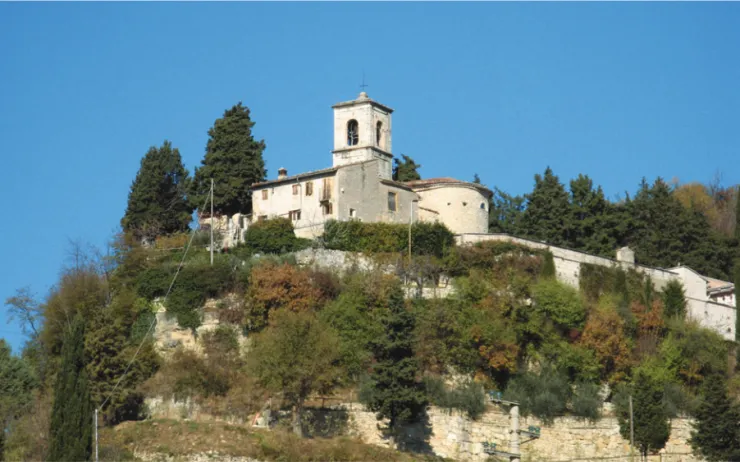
column 359, row 185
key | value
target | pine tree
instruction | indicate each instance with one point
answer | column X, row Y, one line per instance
column 546, row 217
column 591, row 215
column 233, row 160
column 476, row 178
column 505, row 213
column 71, row 415
column 406, row 170
column 158, row 202
column 395, row 392
column 716, row 434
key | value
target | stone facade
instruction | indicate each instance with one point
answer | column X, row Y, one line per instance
column 359, row 185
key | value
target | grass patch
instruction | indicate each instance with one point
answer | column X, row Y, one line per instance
column 179, row 438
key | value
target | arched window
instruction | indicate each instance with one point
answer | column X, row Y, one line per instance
column 378, row 132
column 353, row 135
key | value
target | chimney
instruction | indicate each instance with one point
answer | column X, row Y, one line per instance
column 282, row 173
column 626, row 255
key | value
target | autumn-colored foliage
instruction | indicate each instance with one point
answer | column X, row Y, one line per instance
column 279, row 286
column 604, row 334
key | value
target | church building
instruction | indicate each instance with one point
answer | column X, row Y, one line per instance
column 359, row 184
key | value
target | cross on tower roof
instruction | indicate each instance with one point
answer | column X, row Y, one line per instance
column 363, row 85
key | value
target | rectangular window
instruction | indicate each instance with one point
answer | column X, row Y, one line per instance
column 264, row 194
column 392, row 201
column 296, row 189
column 327, row 208
column 309, row 188
column 352, row 213
column 294, row 215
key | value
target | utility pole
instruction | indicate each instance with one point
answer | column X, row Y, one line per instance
column 532, row 432
column 632, row 430
column 212, row 222
column 95, row 429
column 514, row 436
column 411, row 217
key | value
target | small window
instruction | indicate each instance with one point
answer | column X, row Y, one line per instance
column 294, row 215
column 352, row 213
column 483, row 205
column 309, row 188
column 327, row 208
column 264, row 194
column 296, row 189
column 378, row 132
column 465, row 204
column 392, row 201
column 353, row 133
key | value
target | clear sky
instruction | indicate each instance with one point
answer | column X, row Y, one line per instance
column 614, row 90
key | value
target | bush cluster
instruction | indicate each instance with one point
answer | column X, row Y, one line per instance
column 355, row 236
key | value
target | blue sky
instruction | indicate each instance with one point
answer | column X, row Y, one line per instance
column 614, row 90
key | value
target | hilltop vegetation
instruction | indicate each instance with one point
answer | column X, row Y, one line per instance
column 509, row 326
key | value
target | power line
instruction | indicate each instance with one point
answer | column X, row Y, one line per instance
column 169, row 289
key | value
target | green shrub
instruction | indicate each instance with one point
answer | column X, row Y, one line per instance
column 544, row 395
column 355, row 236
column 154, row 282
column 144, row 318
column 469, row 397
column 561, row 303
column 274, row 236
column 197, row 281
column 490, row 254
column 586, row 402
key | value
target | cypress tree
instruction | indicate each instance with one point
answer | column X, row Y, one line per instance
column 406, row 170
column 652, row 428
column 674, row 301
column 158, row 202
column 715, row 434
column 233, row 160
column 71, row 415
column 395, row 391
column 548, row 267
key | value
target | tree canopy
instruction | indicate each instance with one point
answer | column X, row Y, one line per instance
column 233, row 160
column 158, row 202
column 405, row 170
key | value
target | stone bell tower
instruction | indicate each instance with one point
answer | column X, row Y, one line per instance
column 362, row 132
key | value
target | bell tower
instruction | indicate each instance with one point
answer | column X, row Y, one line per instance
column 362, row 132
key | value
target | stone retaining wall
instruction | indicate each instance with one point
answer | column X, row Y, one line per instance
column 450, row 434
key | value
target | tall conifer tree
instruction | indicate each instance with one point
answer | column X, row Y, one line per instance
column 158, row 202
column 71, row 415
column 716, row 434
column 547, row 217
column 233, row 160
column 395, row 391
column 406, row 170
